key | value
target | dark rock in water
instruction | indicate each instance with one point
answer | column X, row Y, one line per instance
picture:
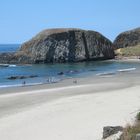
column 15, row 77
column 72, row 71
column 32, row 76
column 68, row 72
column 111, row 130
column 64, row 45
column 60, row 73
column 92, row 70
column 6, row 58
column 127, row 39
column 21, row 77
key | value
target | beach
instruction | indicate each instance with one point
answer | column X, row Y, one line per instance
column 69, row 110
column 69, row 70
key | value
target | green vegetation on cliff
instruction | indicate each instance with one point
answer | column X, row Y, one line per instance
column 129, row 51
column 129, row 133
column 127, row 44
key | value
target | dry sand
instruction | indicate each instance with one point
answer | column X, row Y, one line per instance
column 69, row 111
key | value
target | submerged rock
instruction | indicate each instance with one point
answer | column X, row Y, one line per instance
column 21, row 77
column 60, row 73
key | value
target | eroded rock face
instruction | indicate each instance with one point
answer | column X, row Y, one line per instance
column 64, row 45
column 127, row 39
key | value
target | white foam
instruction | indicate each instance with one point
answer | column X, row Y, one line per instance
column 105, row 73
column 20, row 85
column 12, row 65
column 125, row 70
column 4, row 65
column 5, row 86
column 113, row 73
column 7, row 65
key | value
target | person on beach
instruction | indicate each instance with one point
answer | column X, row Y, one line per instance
column 47, row 80
column 75, row 81
column 23, row 83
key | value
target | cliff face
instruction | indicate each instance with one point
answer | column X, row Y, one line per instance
column 65, row 45
column 127, row 39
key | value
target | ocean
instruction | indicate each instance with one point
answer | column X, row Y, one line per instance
column 9, row 47
column 51, row 73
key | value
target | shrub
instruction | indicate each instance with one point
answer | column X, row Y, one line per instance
column 130, row 132
column 138, row 116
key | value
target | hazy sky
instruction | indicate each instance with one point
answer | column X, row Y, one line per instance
column 20, row 20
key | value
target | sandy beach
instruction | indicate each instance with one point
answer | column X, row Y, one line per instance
column 67, row 110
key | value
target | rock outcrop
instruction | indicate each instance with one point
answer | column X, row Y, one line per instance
column 21, row 77
column 6, row 58
column 127, row 39
column 64, row 45
column 110, row 130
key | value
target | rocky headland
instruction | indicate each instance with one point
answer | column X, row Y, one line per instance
column 127, row 44
column 62, row 45
column 127, row 39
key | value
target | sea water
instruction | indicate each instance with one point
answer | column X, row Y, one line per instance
column 9, row 47
column 50, row 73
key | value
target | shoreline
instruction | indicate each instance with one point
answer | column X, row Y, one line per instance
column 52, row 111
column 68, row 109
column 69, row 82
column 128, row 59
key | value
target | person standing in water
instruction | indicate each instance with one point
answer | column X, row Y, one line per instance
column 24, row 83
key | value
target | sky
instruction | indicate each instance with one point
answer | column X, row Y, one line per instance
column 20, row 20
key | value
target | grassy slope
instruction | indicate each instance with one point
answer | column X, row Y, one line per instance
column 129, row 133
column 129, row 51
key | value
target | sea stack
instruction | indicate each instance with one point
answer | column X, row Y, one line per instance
column 65, row 45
